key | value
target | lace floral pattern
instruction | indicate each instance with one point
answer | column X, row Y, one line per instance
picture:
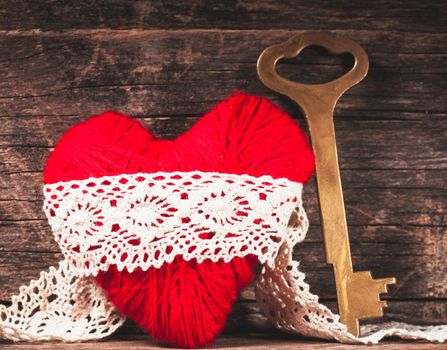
column 145, row 220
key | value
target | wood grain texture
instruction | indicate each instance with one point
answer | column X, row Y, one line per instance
column 82, row 72
column 233, row 14
column 236, row 343
column 168, row 63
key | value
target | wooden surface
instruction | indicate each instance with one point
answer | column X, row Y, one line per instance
column 166, row 64
column 233, row 343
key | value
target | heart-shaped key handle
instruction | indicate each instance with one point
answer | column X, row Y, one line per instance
column 311, row 96
column 358, row 294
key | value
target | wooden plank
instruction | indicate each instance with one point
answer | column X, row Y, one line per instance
column 411, row 16
column 83, row 73
column 254, row 342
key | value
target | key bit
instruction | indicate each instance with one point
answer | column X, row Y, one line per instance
column 358, row 294
column 362, row 299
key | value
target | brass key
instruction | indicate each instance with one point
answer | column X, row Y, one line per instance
column 358, row 294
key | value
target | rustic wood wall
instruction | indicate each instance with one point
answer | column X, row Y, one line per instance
column 166, row 64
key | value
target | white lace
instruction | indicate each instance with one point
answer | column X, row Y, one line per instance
column 286, row 300
column 60, row 305
column 144, row 220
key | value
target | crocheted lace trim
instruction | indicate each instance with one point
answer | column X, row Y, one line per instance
column 60, row 305
column 143, row 220
column 146, row 220
column 286, row 300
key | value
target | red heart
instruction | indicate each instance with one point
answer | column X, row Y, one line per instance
column 184, row 303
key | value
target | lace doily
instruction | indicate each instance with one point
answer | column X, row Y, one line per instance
column 145, row 220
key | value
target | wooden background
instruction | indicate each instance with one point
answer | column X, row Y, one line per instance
column 61, row 61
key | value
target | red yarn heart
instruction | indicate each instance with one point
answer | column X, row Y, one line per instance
column 184, row 303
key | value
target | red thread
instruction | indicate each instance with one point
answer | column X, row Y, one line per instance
column 184, row 303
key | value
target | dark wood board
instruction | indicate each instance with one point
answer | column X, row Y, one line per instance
column 410, row 16
column 167, row 63
column 235, row 343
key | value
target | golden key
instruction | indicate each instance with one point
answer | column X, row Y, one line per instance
column 358, row 294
